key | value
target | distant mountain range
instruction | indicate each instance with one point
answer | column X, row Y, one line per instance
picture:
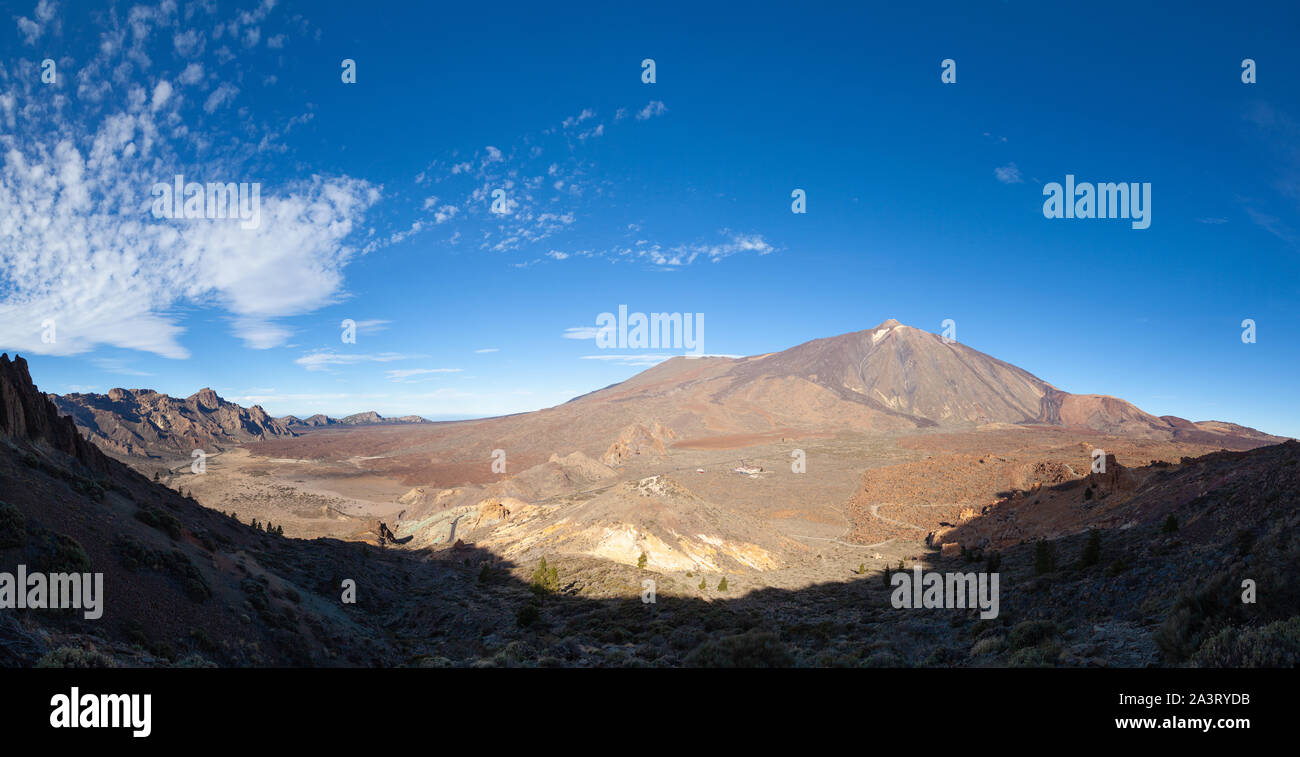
column 356, row 419
column 892, row 378
column 142, row 423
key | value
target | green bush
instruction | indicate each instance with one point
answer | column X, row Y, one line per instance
column 1170, row 526
column 545, row 580
column 75, row 657
column 13, row 526
column 1243, row 541
column 1040, row 656
column 1092, row 549
column 174, row 562
column 528, row 615
column 64, row 554
column 165, row 522
column 1031, row 632
column 752, row 649
column 990, row 645
column 1044, row 557
column 1276, row 645
column 1197, row 616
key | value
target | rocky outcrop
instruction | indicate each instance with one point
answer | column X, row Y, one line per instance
column 145, row 423
column 27, row 415
column 638, row 439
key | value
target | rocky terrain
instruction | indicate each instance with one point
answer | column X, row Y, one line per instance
column 767, row 499
column 356, row 419
column 188, row 586
column 141, row 423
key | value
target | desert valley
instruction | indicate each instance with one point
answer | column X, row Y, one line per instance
column 764, row 500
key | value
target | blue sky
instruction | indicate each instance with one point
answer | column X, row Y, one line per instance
column 924, row 199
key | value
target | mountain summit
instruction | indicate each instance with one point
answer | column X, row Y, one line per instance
column 889, row 377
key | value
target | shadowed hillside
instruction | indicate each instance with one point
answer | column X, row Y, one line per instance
column 189, row 586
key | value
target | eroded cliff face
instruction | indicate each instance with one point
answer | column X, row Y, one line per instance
column 26, row 414
column 145, row 423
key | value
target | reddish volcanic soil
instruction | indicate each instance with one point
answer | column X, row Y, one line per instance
column 964, row 472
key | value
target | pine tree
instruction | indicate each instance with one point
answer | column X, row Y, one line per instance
column 722, row 585
column 703, row 586
column 545, row 579
column 1044, row 557
column 641, row 561
column 1092, row 550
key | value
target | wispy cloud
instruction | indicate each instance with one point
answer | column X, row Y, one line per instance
column 652, row 109
column 79, row 245
column 632, row 359
column 325, row 359
column 404, row 374
column 117, row 365
column 1008, row 174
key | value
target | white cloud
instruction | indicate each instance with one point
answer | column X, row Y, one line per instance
column 192, row 74
column 117, row 365
column 1008, row 174
column 652, row 109
column 581, row 332
column 402, row 374
column 220, row 96
column 161, row 94
column 321, row 360
column 633, row 359
column 445, row 213
column 189, row 43
column 79, row 245
column 575, row 120
column 487, row 349
column 33, row 29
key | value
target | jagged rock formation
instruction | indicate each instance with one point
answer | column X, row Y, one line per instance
column 136, row 423
column 638, row 439
column 25, row 414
